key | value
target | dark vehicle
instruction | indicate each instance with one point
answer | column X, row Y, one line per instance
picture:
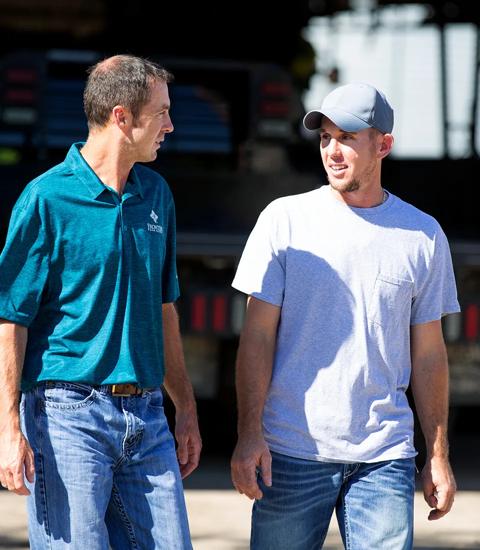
column 236, row 131
column 236, row 147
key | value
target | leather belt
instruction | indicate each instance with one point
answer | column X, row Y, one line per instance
column 117, row 390
column 125, row 390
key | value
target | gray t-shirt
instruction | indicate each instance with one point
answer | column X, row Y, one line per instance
column 350, row 282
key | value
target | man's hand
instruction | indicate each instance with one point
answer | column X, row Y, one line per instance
column 251, row 454
column 16, row 460
column 439, row 486
column 189, row 441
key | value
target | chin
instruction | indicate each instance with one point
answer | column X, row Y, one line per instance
column 344, row 186
column 150, row 157
column 338, row 185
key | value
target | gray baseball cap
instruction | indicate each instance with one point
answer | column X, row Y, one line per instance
column 352, row 108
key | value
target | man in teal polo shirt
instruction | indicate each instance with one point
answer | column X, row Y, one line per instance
column 89, row 332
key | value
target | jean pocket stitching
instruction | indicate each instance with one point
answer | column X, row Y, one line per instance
column 87, row 401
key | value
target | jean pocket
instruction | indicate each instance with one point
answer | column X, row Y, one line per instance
column 67, row 395
column 155, row 399
column 389, row 300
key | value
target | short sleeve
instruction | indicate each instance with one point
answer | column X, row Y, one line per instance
column 437, row 295
column 24, row 261
column 261, row 271
column 170, row 288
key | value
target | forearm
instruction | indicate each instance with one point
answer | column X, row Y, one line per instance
column 13, row 341
column 253, row 376
column 430, row 392
column 176, row 381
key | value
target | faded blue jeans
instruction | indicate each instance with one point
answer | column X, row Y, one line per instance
column 373, row 503
column 106, row 471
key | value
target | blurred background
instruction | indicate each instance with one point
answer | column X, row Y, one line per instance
column 245, row 74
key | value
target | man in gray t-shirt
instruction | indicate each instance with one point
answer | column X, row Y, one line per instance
column 347, row 286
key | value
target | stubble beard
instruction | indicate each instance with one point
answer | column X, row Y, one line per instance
column 355, row 183
column 349, row 187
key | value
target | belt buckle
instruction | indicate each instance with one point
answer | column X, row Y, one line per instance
column 125, row 390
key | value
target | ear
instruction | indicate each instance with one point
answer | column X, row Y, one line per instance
column 120, row 116
column 386, row 145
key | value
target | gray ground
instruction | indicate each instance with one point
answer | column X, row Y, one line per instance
column 219, row 518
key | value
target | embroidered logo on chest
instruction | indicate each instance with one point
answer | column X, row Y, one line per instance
column 153, row 226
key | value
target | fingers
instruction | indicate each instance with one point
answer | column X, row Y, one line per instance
column 188, row 453
column 435, row 514
column 266, row 468
column 439, row 490
column 189, row 441
column 244, row 473
column 17, row 464
column 429, row 496
column 188, row 468
column 182, row 450
column 29, row 465
column 441, row 503
column 244, row 479
column 14, row 481
column 192, row 462
column 19, row 486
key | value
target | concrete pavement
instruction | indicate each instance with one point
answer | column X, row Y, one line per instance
column 220, row 518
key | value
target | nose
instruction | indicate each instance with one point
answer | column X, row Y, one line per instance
column 333, row 148
column 168, row 128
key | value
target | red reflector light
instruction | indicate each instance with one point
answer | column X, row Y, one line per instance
column 270, row 108
column 19, row 96
column 471, row 322
column 219, row 313
column 21, row 76
column 199, row 312
column 275, row 88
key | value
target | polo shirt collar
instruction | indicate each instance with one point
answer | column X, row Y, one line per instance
column 134, row 185
column 95, row 186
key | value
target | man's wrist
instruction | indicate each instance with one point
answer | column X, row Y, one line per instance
column 185, row 405
column 250, row 429
column 439, row 451
column 10, row 426
column 432, row 457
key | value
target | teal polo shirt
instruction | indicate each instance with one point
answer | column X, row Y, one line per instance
column 87, row 271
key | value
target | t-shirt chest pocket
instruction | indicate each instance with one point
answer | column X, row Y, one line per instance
column 389, row 300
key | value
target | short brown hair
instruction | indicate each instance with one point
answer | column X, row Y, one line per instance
column 120, row 80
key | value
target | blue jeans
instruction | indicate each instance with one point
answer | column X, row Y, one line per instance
column 373, row 503
column 106, row 471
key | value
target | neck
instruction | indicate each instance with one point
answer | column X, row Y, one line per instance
column 106, row 158
column 361, row 198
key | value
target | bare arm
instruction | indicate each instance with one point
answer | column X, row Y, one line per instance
column 180, row 390
column 253, row 375
column 430, row 391
column 16, row 456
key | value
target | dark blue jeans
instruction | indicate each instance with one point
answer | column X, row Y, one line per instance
column 373, row 503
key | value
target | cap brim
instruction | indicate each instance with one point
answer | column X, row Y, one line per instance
column 345, row 121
